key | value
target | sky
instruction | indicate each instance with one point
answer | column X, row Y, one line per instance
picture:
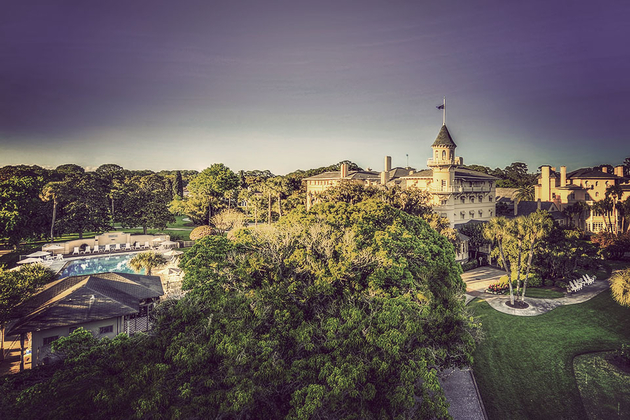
column 286, row 85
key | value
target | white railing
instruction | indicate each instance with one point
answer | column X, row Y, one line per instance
column 457, row 189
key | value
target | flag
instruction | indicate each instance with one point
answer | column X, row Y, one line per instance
column 440, row 106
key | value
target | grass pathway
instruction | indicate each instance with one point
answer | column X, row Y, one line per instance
column 524, row 366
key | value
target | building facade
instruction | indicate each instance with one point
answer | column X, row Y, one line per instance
column 584, row 185
column 458, row 194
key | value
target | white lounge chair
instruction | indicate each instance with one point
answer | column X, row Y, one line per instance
column 108, row 248
column 146, row 245
column 117, row 247
column 138, row 246
column 76, row 251
column 87, row 250
column 59, row 257
column 127, row 246
column 96, row 249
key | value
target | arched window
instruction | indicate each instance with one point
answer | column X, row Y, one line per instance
column 437, row 155
column 443, row 154
column 450, row 155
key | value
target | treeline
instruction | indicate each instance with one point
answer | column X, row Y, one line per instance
column 38, row 203
column 515, row 175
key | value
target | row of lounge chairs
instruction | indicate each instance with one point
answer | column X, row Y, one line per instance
column 577, row 285
column 58, row 257
column 110, row 248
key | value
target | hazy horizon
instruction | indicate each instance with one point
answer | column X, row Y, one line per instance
column 284, row 85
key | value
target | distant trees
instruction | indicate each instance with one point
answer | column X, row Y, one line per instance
column 515, row 175
column 21, row 211
column 207, row 191
column 144, row 202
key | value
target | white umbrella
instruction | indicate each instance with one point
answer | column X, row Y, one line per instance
column 173, row 253
column 38, row 254
column 29, row 260
column 169, row 243
column 52, row 246
column 157, row 239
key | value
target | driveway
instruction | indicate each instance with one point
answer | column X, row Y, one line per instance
column 480, row 278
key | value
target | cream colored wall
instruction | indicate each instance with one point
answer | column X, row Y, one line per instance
column 39, row 351
column 108, row 238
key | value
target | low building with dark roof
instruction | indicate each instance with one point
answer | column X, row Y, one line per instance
column 106, row 304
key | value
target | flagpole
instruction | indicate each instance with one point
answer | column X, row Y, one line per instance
column 444, row 111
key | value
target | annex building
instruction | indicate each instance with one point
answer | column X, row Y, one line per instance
column 585, row 185
column 458, row 194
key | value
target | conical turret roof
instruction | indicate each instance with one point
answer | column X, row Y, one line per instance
column 444, row 139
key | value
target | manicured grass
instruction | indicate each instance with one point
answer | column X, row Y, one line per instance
column 543, row 293
column 605, row 388
column 524, row 365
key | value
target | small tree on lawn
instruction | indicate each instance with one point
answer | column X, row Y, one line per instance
column 620, row 287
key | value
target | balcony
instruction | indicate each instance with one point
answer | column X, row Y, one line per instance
column 444, row 162
column 459, row 189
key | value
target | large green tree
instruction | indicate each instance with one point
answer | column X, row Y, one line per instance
column 145, row 202
column 84, row 204
column 346, row 311
column 207, row 191
column 21, row 211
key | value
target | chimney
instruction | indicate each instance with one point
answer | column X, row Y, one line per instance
column 605, row 169
column 383, row 178
column 388, row 164
column 515, row 208
column 563, row 176
column 344, row 170
column 545, row 182
column 619, row 170
column 538, row 204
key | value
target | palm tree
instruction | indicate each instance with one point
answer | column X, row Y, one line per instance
column 518, row 228
column 146, row 260
column 525, row 193
column 51, row 191
column 620, row 287
column 537, row 226
column 498, row 229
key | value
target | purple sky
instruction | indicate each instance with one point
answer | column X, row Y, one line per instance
column 301, row 84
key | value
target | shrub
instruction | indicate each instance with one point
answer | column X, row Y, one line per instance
column 497, row 288
column 200, row 232
column 470, row 265
column 532, row 281
column 548, row 282
column 561, row 284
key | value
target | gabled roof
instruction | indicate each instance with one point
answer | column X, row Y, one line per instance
column 470, row 175
column 80, row 299
column 527, row 207
column 351, row 175
column 444, row 138
column 591, row 173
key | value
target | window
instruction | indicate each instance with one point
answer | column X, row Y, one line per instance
column 480, row 213
column 490, row 199
column 49, row 340
column 463, row 200
column 597, row 226
column 596, row 183
column 105, row 330
column 443, row 154
column 462, row 215
column 472, row 199
column 596, row 194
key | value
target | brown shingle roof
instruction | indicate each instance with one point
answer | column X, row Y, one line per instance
column 80, row 299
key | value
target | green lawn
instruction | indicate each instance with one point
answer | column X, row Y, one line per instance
column 605, row 388
column 524, row 365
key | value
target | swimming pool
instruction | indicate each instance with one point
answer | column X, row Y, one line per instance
column 100, row 264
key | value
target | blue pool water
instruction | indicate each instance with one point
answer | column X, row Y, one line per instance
column 101, row 264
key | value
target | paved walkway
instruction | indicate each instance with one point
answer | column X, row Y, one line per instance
column 462, row 395
column 479, row 279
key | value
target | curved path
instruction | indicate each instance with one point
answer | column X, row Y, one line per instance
column 479, row 279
